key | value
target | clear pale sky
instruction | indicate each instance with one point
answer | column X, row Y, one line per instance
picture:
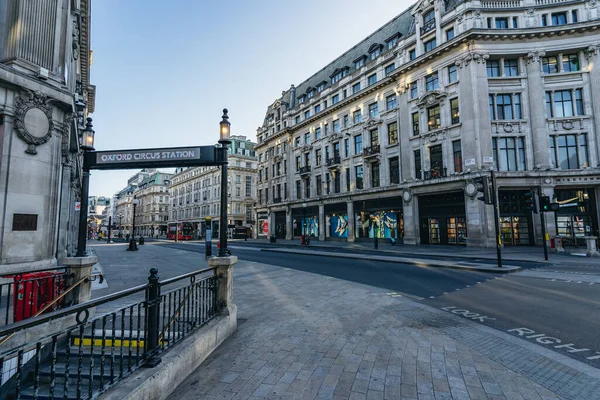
column 164, row 70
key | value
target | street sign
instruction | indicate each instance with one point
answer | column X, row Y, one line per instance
column 77, row 206
column 488, row 160
column 154, row 158
column 469, row 162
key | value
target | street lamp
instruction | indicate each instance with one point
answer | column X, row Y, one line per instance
column 86, row 144
column 132, row 243
column 224, row 140
column 120, row 225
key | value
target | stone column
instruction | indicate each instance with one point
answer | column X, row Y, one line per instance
column 351, row 220
column 322, row 226
column 410, row 215
column 593, row 58
column 271, row 223
column 224, row 271
column 537, row 117
column 288, row 224
column 81, row 267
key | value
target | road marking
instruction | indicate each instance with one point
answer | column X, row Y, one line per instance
column 557, row 343
column 468, row 314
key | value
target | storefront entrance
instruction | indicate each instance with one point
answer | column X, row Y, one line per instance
column 576, row 217
column 280, row 225
column 443, row 219
column 516, row 228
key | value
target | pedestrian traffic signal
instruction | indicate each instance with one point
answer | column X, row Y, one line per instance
column 483, row 186
column 530, row 202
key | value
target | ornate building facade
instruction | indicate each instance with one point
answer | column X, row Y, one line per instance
column 45, row 95
column 195, row 192
column 152, row 210
column 388, row 138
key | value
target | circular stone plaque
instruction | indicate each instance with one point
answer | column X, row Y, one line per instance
column 36, row 122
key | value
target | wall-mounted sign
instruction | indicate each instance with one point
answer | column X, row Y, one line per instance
column 262, row 215
column 77, row 206
column 24, row 222
column 489, row 160
column 148, row 158
column 469, row 162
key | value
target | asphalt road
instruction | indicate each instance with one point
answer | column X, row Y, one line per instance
column 561, row 316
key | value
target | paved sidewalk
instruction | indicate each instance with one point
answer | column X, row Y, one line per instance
column 305, row 336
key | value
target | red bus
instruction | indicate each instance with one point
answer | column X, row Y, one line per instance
column 184, row 229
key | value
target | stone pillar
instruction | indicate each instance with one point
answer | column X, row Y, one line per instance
column 410, row 216
column 593, row 59
column 537, row 117
column 322, row 226
column 67, row 205
column 288, row 224
column 351, row 220
column 327, row 227
column 81, row 267
column 592, row 251
column 481, row 228
column 224, row 271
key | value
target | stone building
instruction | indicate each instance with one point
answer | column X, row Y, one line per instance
column 195, row 192
column 152, row 210
column 123, row 200
column 387, row 139
column 45, row 96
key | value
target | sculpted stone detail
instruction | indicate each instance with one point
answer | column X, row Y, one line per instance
column 479, row 58
column 75, row 40
column 432, row 98
column 33, row 119
column 592, row 50
column 535, row 56
column 407, row 196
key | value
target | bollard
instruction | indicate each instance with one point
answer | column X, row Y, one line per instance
column 151, row 336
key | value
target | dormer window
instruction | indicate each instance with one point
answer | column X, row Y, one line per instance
column 375, row 51
column 428, row 21
column 310, row 93
column 393, row 41
column 320, row 87
column 301, row 99
column 358, row 63
column 338, row 75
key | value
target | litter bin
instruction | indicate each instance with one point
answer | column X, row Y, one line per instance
column 273, row 239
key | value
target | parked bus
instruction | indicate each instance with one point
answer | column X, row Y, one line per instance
column 184, row 229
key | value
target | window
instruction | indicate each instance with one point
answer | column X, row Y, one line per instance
column 505, row 106
column 501, row 23
column 429, row 45
column 457, row 153
column 433, row 117
column 544, row 20
column 307, row 138
column 574, row 16
column 347, row 147
column 297, row 141
column 346, row 121
column 570, row 62
column 414, row 90
column 335, row 99
column 320, row 87
column 319, row 185
column 564, row 151
column 307, row 114
column 511, row 67
column 392, row 133
column 375, row 175
column 359, row 176
column 431, row 82
column 298, row 189
column 297, row 119
column 415, row 124
column 375, row 53
column 373, row 110
column 436, row 162
column 560, row 103
column 454, row 111
column 550, row 65
column 515, row 22
column 356, row 88
column 412, row 54
column 452, row 74
column 450, row 34
column 357, row 116
column 389, row 69
column 307, row 187
column 326, row 129
column 559, row 18
column 390, row 102
column 358, row 147
column 336, row 126
column 418, row 170
column 374, row 137
column 318, row 157
column 347, row 179
column 579, row 101
column 359, row 63
column 317, row 108
column 493, row 68
column 394, row 171
column 317, row 133
column 372, row 79
column 298, row 163
column 310, row 93
column 301, row 99
column 509, row 153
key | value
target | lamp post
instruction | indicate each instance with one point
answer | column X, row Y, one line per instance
column 120, row 225
column 224, row 128
column 132, row 243
column 87, row 144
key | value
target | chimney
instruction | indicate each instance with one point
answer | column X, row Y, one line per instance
column 292, row 96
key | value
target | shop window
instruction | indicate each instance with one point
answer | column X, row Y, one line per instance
column 457, row 152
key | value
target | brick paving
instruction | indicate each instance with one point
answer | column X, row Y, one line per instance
column 306, row 336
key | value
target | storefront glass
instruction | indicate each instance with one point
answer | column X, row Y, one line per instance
column 338, row 226
column 384, row 224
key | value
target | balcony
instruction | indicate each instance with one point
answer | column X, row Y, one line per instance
column 277, row 200
column 304, row 170
column 371, row 151
column 333, row 162
column 435, row 173
column 428, row 26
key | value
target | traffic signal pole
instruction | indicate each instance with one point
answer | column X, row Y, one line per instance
column 496, row 219
column 543, row 220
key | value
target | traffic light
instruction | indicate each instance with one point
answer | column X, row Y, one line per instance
column 545, row 204
column 483, row 186
column 530, row 203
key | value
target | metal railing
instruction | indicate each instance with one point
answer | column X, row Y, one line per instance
column 304, row 170
column 371, row 151
column 23, row 295
column 334, row 161
column 90, row 355
column 435, row 173
column 427, row 26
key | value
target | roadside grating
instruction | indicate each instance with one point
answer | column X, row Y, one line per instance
column 559, row 378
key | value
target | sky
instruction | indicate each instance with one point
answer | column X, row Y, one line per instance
column 164, row 70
